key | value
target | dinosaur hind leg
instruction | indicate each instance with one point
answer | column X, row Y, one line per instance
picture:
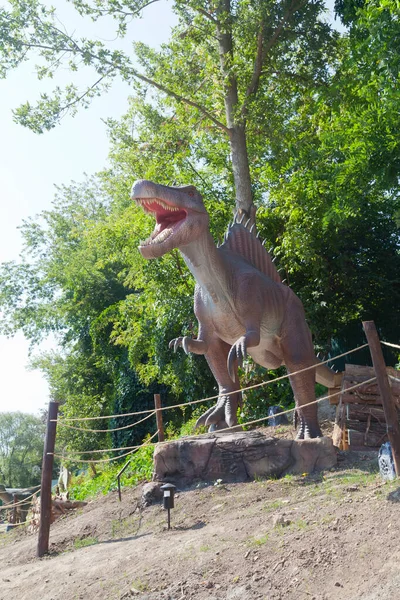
column 303, row 386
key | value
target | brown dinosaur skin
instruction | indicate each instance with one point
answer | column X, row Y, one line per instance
column 240, row 310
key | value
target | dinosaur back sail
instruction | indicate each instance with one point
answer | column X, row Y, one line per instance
column 242, row 241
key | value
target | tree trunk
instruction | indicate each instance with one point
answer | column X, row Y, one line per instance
column 237, row 139
column 241, row 171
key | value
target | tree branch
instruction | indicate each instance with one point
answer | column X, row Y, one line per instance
column 88, row 90
column 182, row 99
column 77, row 50
column 177, row 260
column 119, row 11
column 262, row 51
column 207, row 15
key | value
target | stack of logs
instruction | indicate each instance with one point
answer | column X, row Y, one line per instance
column 360, row 420
column 59, row 508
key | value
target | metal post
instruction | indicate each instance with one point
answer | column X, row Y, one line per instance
column 159, row 419
column 47, row 471
column 119, row 479
column 389, row 408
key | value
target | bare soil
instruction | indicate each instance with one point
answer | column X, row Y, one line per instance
column 324, row 536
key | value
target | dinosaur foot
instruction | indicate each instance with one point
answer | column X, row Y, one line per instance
column 220, row 416
column 307, row 431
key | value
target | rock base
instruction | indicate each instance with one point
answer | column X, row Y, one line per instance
column 239, row 456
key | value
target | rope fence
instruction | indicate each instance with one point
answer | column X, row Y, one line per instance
column 63, row 424
column 20, row 503
column 104, row 460
column 391, row 345
column 253, row 422
column 183, row 404
column 151, row 412
column 49, row 454
column 12, row 525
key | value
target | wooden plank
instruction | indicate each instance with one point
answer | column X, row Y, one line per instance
column 391, row 416
column 334, row 395
column 47, row 470
column 364, row 426
column 370, row 438
column 159, row 418
column 360, row 412
column 360, row 371
column 338, row 435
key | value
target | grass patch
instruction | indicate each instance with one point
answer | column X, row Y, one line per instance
column 258, row 541
column 82, row 543
column 139, row 585
column 275, row 505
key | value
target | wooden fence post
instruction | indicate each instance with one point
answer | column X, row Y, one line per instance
column 159, row 419
column 14, row 513
column 389, row 408
column 47, row 471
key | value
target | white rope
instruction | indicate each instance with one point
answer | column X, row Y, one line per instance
column 294, row 408
column 104, row 460
column 20, row 502
column 251, row 387
column 63, row 424
column 72, row 459
column 391, row 345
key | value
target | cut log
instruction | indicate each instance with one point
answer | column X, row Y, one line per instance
column 370, row 438
column 361, row 412
column 339, row 432
column 364, row 426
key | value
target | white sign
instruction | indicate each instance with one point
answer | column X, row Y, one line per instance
column 167, row 493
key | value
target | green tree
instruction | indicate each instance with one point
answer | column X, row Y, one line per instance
column 335, row 196
column 21, row 449
column 82, row 278
column 321, row 146
column 223, row 59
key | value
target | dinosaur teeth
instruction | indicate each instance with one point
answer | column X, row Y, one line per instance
column 157, row 239
column 148, row 204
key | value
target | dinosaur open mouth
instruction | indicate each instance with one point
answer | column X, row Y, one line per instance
column 168, row 218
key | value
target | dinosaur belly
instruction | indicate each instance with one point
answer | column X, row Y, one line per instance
column 270, row 359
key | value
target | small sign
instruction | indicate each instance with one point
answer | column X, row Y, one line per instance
column 167, row 493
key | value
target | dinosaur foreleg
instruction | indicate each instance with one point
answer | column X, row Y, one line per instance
column 189, row 345
column 238, row 352
column 224, row 413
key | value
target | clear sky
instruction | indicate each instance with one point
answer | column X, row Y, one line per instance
column 31, row 164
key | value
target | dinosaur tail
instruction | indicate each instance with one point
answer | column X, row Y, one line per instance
column 325, row 376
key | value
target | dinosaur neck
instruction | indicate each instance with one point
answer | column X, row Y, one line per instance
column 205, row 263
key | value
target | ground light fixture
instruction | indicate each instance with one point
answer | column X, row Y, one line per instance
column 168, row 490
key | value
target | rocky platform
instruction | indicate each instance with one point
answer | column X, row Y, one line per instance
column 239, row 456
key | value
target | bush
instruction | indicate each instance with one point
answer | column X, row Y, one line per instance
column 140, row 469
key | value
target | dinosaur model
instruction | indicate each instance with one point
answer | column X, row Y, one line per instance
column 241, row 305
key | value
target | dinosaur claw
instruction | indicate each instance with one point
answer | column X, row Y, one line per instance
column 231, row 366
column 176, row 344
column 185, row 345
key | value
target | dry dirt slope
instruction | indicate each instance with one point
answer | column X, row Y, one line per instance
column 328, row 536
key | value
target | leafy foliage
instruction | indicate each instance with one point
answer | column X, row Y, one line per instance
column 318, row 113
column 21, row 449
column 139, row 469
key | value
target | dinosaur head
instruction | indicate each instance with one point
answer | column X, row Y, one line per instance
column 179, row 212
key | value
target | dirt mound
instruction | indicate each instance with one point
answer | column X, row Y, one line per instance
column 324, row 536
